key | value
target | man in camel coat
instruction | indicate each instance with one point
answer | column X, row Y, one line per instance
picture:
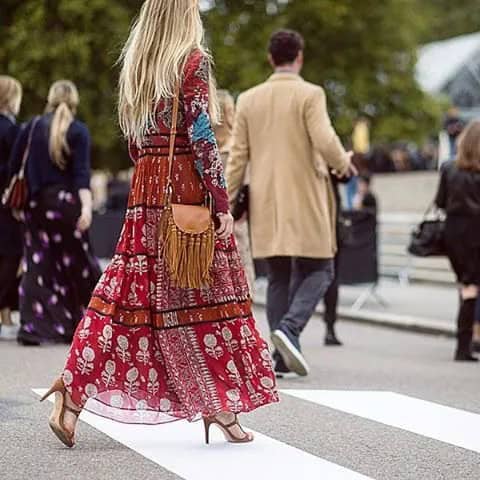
column 283, row 132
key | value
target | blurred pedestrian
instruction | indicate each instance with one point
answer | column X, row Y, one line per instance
column 330, row 300
column 60, row 270
column 365, row 200
column 169, row 333
column 223, row 134
column 361, row 147
column 283, row 133
column 453, row 125
column 10, row 233
column 459, row 195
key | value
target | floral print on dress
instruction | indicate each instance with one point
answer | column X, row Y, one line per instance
column 60, row 270
column 196, row 101
column 146, row 350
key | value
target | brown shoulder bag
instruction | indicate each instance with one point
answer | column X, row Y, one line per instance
column 187, row 232
column 16, row 194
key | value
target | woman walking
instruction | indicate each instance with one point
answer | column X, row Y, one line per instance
column 60, row 269
column 151, row 349
column 459, row 196
column 10, row 234
column 223, row 134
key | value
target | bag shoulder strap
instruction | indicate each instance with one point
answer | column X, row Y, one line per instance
column 26, row 153
column 173, row 135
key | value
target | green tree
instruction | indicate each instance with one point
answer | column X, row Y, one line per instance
column 364, row 53
column 448, row 19
column 46, row 40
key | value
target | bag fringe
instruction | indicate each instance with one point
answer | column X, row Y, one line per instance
column 189, row 256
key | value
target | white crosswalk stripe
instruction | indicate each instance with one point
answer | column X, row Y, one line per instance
column 178, row 447
column 446, row 424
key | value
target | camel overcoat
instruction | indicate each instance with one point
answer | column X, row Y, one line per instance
column 283, row 132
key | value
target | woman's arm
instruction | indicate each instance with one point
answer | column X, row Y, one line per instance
column 208, row 162
column 441, row 197
column 19, row 146
column 80, row 144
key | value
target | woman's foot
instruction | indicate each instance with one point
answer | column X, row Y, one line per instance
column 231, row 428
column 64, row 416
column 70, row 415
column 465, row 357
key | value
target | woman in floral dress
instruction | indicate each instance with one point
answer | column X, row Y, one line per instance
column 60, row 270
column 147, row 351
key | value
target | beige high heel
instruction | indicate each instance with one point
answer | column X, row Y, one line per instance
column 226, row 429
column 57, row 416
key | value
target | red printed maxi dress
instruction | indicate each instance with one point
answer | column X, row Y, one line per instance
column 146, row 351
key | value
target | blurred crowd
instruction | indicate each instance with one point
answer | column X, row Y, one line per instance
column 49, row 232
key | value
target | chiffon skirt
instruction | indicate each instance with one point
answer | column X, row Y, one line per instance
column 149, row 352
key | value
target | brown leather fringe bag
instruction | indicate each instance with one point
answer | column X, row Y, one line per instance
column 187, row 232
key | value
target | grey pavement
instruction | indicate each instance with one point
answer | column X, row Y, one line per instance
column 427, row 308
column 372, row 359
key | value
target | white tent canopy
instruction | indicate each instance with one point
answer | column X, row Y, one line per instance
column 439, row 62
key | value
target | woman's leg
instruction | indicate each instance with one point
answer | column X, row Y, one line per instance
column 465, row 321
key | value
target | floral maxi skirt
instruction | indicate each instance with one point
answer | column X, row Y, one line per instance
column 60, row 270
column 149, row 352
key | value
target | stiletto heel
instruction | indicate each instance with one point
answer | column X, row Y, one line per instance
column 226, row 429
column 56, row 420
column 206, row 424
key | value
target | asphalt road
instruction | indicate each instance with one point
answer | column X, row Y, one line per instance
column 373, row 359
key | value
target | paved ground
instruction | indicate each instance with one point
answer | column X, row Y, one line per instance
column 373, row 359
column 435, row 302
column 417, row 306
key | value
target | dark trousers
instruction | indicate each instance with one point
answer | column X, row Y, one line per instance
column 330, row 300
column 465, row 321
column 295, row 287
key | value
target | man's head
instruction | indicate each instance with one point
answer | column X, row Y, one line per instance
column 286, row 50
column 364, row 184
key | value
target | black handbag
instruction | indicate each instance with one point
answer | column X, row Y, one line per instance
column 428, row 239
column 241, row 205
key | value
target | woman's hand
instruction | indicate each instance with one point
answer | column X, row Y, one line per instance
column 85, row 219
column 225, row 230
column 18, row 215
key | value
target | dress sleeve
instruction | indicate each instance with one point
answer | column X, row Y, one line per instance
column 208, row 162
column 80, row 144
column 19, row 146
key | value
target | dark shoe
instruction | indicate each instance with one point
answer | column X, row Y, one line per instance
column 28, row 343
column 332, row 341
column 282, row 371
column 476, row 347
column 291, row 354
column 465, row 357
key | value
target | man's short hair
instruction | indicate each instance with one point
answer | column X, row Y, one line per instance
column 284, row 47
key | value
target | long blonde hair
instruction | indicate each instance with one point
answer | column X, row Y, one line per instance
column 63, row 100
column 163, row 36
column 10, row 95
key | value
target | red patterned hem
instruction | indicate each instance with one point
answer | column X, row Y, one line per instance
column 146, row 376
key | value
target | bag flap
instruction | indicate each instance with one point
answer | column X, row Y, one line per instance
column 191, row 218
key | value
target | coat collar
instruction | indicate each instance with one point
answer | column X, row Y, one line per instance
column 282, row 76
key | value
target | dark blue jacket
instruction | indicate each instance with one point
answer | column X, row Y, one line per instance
column 41, row 171
column 10, row 234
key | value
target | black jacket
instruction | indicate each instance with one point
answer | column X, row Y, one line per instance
column 459, row 191
column 10, row 236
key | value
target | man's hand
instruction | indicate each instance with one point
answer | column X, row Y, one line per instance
column 225, row 229
column 352, row 169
